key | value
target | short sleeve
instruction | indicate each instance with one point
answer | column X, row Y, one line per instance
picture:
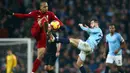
column 120, row 38
column 106, row 39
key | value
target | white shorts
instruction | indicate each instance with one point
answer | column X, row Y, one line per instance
column 85, row 50
column 114, row 59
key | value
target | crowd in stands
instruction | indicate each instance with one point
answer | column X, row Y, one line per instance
column 72, row 12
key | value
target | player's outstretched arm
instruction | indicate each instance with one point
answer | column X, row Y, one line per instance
column 19, row 15
column 29, row 15
column 85, row 28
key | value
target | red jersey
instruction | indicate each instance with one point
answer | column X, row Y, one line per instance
column 38, row 33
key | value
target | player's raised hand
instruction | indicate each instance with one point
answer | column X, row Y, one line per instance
column 83, row 25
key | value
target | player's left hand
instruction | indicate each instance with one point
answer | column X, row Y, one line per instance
column 57, row 53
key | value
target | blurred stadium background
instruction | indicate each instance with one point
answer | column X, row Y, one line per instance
column 70, row 12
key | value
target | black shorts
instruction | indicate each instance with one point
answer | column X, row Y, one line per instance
column 50, row 59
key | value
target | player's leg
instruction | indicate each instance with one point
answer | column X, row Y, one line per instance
column 118, row 61
column 37, row 62
column 50, row 62
column 50, row 69
column 8, row 69
column 109, row 62
column 74, row 42
column 80, row 61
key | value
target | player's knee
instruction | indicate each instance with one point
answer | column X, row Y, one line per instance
column 79, row 64
column 40, row 55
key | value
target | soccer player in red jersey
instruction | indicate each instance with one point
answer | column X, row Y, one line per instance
column 41, row 17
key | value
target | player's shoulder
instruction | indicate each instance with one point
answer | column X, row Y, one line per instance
column 34, row 11
column 99, row 29
column 117, row 34
column 49, row 13
column 107, row 34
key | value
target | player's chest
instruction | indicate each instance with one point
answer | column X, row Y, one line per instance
column 9, row 58
column 46, row 16
column 112, row 39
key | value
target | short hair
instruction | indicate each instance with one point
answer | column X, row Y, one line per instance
column 9, row 49
column 43, row 1
column 113, row 25
column 94, row 19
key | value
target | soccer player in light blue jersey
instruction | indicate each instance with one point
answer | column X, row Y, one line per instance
column 115, row 43
column 86, row 47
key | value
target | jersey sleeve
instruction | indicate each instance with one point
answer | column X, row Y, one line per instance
column 85, row 29
column 95, row 30
column 106, row 39
column 29, row 15
column 90, row 30
column 120, row 38
column 54, row 17
column 14, row 61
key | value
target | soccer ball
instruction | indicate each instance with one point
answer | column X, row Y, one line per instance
column 55, row 24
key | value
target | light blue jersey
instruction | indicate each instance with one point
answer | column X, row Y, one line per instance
column 114, row 43
column 95, row 35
